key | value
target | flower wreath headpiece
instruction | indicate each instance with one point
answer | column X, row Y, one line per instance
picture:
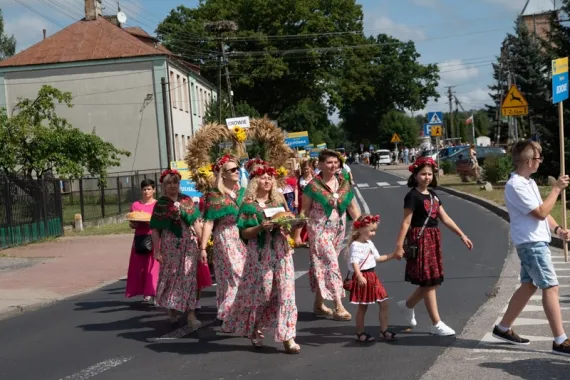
column 422, row 161
column 263, row 170
column 256, row 161
column 367, row 220
column 221, row 162
column 170, row 172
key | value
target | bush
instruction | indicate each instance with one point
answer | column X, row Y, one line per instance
column 497, row 168
column 448, row 167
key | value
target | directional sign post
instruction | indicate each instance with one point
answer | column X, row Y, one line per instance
column 559, row 95
column 515, row 103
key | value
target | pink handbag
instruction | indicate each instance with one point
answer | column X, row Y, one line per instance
column 203, row 276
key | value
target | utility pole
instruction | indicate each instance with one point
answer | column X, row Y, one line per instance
column 219, row 28
column 228, row 82
column 166, row 110
column 450, row 131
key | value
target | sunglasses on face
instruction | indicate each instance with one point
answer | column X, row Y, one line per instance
column 539, row 159
column 232, row 170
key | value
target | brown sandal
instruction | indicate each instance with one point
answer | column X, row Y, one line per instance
column 322, row 311
column 341, row 315
column 291, row 347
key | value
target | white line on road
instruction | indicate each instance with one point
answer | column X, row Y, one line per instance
column 300, row 273
column 370, row 188
column 98, row 368
column 362, row 185
column 383, row 184
column 402, row 183
column 362, row 201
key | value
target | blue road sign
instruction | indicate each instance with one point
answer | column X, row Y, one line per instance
column 427, row 129
column 435, row 118
column 559, row 80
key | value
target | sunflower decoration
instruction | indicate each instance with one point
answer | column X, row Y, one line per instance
column 240, row 134
column 291, row 242
column 210, row 249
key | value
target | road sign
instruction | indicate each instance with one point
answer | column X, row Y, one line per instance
column 395, row 139
column 515, row 103
column 559, row 80
column 427, row 129
column 435, row 117
column 242, row 121
column 322, row 146
column 436, row 130
column 297, row 139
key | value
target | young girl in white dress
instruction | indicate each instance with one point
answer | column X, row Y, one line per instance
column 366, row 288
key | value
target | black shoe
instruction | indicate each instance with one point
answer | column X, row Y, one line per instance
column 561, row 349
column 510, row 336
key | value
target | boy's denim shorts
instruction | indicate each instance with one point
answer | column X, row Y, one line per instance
column 536, row 265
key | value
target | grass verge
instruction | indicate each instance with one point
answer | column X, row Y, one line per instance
column 107, row 229
column 497, row 195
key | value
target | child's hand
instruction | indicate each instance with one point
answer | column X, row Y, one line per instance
column 467, row 242
column 361, row 280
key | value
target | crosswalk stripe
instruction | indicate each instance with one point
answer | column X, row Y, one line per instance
column 362, row 185
column 383, row 184
column 402, row 183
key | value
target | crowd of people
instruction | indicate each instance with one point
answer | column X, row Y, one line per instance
column 253, row 254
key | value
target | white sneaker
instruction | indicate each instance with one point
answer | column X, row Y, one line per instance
column 442, row 329
column 409, row 314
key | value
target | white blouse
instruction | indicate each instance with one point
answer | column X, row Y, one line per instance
column 358, row 253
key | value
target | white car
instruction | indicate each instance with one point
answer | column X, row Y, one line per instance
column 384, row 157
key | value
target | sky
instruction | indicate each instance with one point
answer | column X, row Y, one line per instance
column 462, row 36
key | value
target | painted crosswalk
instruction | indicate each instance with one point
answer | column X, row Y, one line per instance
column 385, row 185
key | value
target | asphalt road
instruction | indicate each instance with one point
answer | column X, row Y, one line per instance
column 102, row 335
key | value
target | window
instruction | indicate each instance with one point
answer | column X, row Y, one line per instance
column 172, row 85
column 179, row 92
column 185, row 104
column 200, row 104
column 176, row 142
column 182, row 148
column 193, row 98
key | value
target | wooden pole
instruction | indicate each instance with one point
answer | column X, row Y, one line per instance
column 562, row 172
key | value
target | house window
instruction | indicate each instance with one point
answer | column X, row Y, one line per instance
column 185, row 95
column 176, row 142
column 182, row 150
column 172, row 86
column 193, row 98
column 178, row 92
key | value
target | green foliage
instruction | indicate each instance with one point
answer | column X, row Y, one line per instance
column 448, row 167
column 7, row 44
column 241, row 109
column 36, row 141
column 497, row 168
column 400, row 123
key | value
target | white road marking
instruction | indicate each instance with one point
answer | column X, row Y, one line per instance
column 300, row 273
column 402, row 183
column 383, row 184
column 528, row 321
column 370, row 188
column 562, row 269
column 539, row 298
column 362, row 201
column 391, row 187
column 488, row 338
column 531, row 308
column 361, row 185
column 98, row 368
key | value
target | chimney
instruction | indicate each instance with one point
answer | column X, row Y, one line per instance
column 92, row 10
column 45, row 31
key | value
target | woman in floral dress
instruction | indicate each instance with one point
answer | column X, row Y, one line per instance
column 266, row 295
column 221, row 208
column 175, row 225
column 326, row 200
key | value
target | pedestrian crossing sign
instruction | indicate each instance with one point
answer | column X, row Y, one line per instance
column 395, row 139
column 435, row 118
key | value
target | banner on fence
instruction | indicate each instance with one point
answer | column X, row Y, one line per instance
column 187, row 187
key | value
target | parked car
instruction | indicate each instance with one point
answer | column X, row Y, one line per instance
column 462, row 156
column 383, row 157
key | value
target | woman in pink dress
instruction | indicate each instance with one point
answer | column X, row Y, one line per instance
column 176, row 229
column 326, row 200
column 266, row 294
column 142, row 276
column 221, row 208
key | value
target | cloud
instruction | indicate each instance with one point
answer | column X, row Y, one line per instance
column 385, row 25
column 514, row 5
column 428, row 3
column 456, row 70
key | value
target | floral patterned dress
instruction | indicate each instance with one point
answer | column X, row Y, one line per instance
column 229, row 249
column 266, row 295
column 326, row 229
column 177, row 281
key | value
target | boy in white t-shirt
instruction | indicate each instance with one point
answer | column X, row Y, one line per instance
column 531, row 225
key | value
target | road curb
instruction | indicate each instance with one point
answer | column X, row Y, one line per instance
column 19, row 310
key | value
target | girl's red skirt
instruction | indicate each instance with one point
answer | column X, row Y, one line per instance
column 370, row 293
column 427, row 268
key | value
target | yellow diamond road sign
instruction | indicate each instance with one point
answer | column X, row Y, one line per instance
column 395, row 138
column 515, row 103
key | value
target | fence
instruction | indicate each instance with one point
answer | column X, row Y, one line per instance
column 86, row 197
column 31, row 210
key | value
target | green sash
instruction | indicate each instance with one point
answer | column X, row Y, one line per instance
column 218, row 205
column 166, row 216
column 319, row 192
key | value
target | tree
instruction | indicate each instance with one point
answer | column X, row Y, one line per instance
column 241, row 109
column 380, row 79
column 37, row 142
column 400, row 123
column 7, row 44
